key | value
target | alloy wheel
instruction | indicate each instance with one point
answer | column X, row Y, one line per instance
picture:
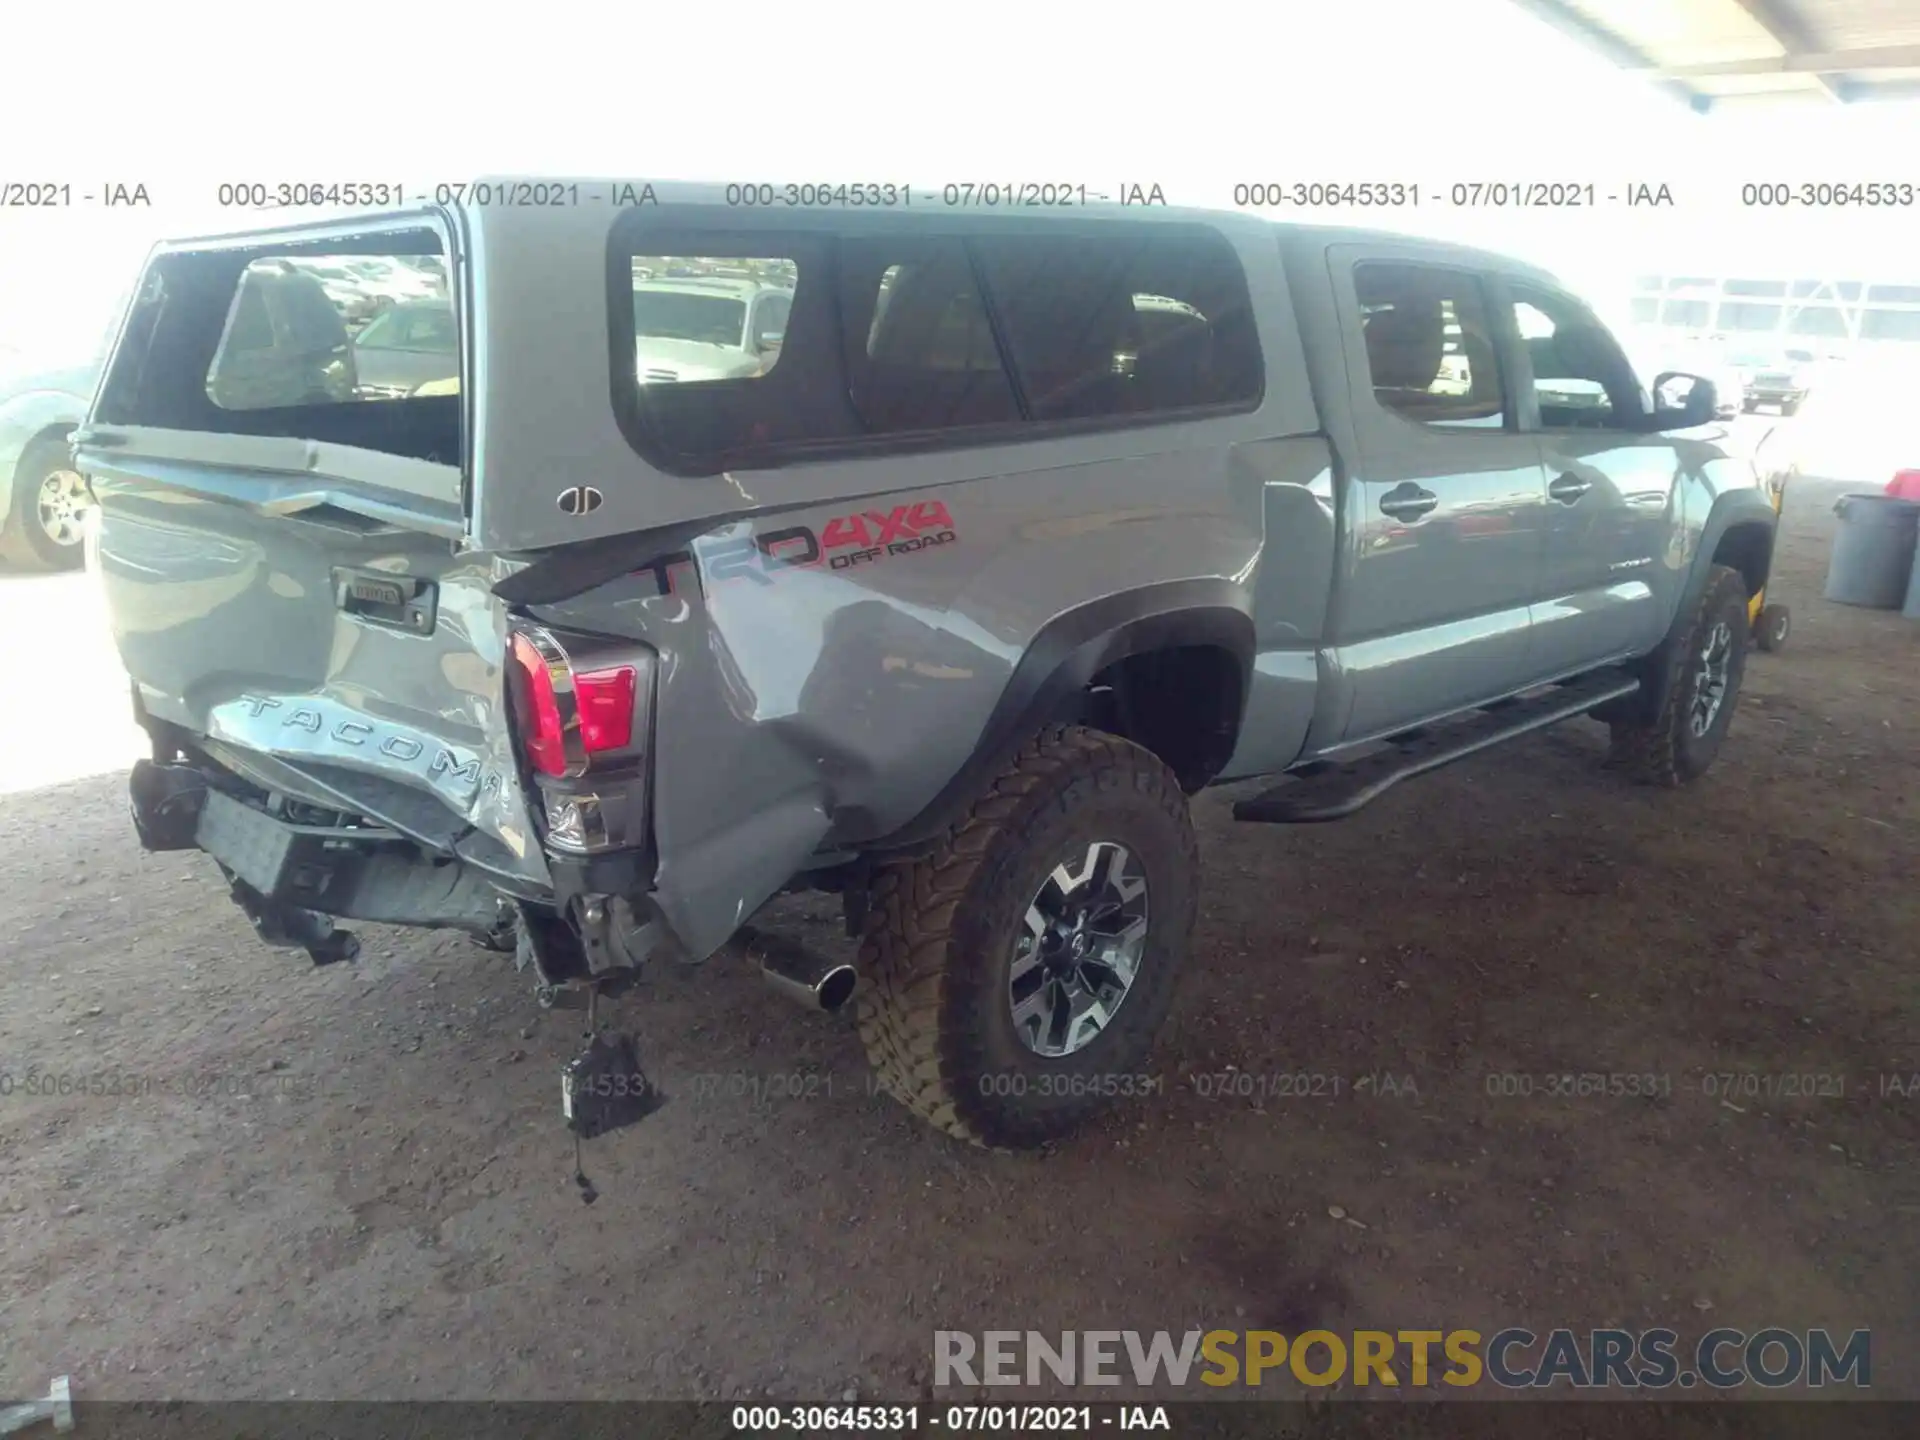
column 1711, row 678
column 61, row 507
column 1084, row 936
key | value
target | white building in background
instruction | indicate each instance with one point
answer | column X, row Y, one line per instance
column 1827, row 314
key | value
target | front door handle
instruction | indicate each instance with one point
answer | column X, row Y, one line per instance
column 1569, row 488
column 1408, row 502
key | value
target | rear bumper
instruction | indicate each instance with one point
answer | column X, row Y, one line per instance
column 277, row 866
column 294, row 880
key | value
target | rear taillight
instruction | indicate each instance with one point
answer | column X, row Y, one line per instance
column 541, row 728
column 567, row 715
column 582, row 705
column 605, row 699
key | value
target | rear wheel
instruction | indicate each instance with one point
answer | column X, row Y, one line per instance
column 1012, row 980
column 45, row 521
column 1702, row 664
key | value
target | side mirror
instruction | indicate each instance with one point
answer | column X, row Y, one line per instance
column 1681, row 400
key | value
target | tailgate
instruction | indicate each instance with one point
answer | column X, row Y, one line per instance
column 277, row 453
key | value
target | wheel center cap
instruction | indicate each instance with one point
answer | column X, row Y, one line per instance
column 1081, row 944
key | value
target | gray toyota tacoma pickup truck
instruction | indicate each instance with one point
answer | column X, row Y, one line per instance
column 1024, row 529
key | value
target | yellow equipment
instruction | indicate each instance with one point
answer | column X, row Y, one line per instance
column 1771, row 623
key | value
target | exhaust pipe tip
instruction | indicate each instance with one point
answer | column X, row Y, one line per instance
column 835, row 988
column 811, row 980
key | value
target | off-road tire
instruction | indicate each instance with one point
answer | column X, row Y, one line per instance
column 940, row 932
column 23, row 541
column 1664, row 750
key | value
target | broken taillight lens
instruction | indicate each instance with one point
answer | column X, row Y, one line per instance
column 601, row 702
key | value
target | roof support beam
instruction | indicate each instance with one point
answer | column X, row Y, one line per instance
column 1787, row 29
column 1571, row 23
column 1835, row 62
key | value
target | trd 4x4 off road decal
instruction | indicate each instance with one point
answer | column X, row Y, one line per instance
column 846, row 541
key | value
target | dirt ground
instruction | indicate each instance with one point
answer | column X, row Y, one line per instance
column 354, row 1182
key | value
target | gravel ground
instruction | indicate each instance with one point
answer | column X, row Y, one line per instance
column 354, row 1181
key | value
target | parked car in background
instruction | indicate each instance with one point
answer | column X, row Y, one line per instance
column 707, row 328
column 43, row 500
column 46, row 383
column 409, row 346
column 348, row 291
column 1776, row 377
column 397, row 281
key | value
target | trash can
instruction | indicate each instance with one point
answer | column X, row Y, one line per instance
column 1912, row 608
column 1872, row 560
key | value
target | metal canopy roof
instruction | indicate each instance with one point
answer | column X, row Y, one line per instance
column 1714, row 52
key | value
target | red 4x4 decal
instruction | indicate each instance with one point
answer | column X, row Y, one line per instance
column 903, row 522
column 858, row 540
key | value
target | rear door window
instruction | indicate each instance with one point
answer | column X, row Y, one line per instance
column 1429, row 342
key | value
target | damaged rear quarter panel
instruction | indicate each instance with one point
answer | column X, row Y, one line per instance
column 818, row 687
column 801, row 705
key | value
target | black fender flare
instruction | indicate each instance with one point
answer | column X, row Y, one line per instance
column 1732, row 510
column 1064, row 656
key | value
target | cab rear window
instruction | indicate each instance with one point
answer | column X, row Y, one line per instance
column 749, row 348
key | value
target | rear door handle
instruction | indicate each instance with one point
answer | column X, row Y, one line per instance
column 1408, row 502
column 1569, row 488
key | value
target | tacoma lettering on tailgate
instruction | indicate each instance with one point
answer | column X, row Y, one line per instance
column 340, row 737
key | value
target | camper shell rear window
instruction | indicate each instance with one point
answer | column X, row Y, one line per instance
column 351, row 341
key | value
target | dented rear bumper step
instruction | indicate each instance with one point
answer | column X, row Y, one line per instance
column 350, row 874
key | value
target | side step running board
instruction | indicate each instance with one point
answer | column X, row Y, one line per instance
column 1336, row 791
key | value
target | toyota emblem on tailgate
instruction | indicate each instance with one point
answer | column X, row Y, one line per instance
column 579, row 499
